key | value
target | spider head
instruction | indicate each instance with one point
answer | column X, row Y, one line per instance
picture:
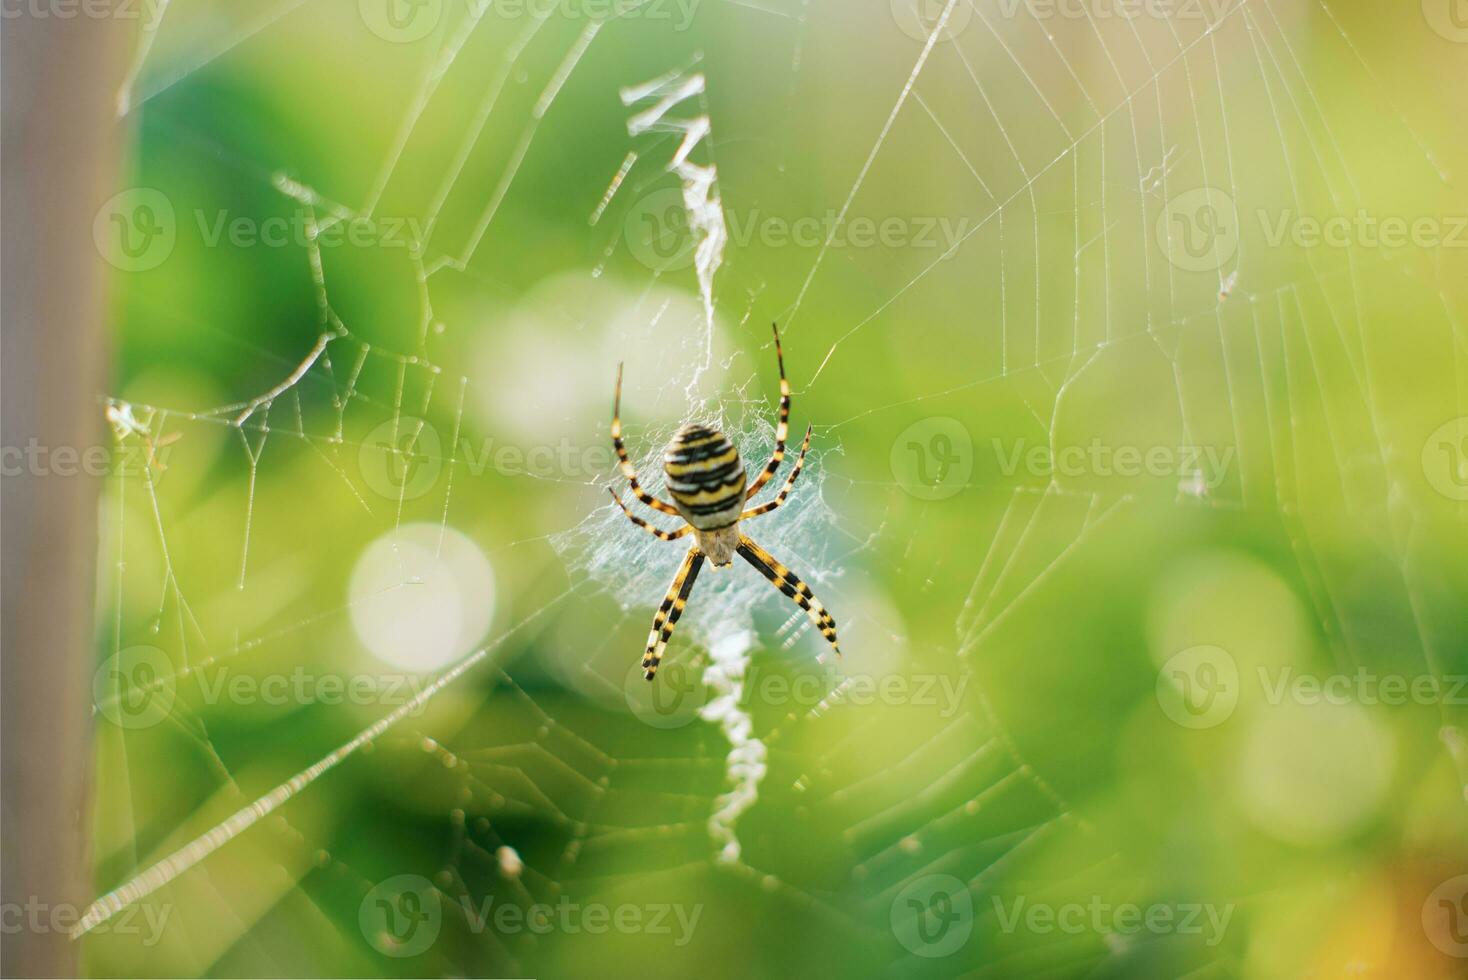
column 718, row 545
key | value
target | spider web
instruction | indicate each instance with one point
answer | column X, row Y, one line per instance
column 516, row 771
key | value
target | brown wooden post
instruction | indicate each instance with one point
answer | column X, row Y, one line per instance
column 60, row 65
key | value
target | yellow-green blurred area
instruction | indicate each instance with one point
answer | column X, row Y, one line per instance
column 1133, row 341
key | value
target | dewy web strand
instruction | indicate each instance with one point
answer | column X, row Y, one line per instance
column 160, row 874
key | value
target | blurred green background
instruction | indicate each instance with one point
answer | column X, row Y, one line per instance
column 1109, row 454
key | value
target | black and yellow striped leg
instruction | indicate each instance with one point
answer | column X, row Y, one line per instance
column 768, row 506
column 670, row 611
column 625, row 464
column 656, row 532
column 790, row 584
column 782, row 427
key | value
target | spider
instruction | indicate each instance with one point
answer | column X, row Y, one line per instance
column 706, row 480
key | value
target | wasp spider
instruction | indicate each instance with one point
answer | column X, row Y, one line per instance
column 706, row 480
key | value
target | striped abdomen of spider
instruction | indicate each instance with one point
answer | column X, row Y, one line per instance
column 705, row 477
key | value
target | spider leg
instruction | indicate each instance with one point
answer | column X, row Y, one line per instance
column 670, row 611
column 656, row 532
column 782, row 427
column 790, row 584
column 625, row 464
column 768, row 506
